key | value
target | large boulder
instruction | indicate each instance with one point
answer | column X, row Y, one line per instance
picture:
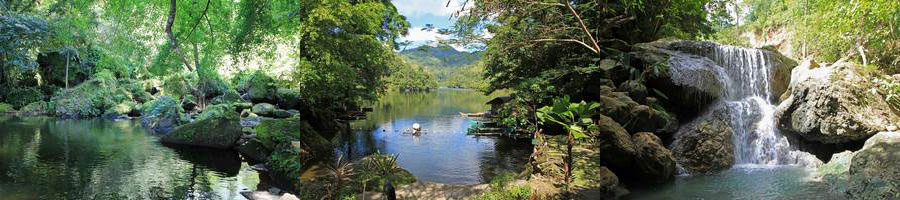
column 254, row 151
column 6, row 108
column 162, row 115
column 615, row 143
column 873, row 172
column 705, row 145
column 655, row 163
column 264, row 109
column 287, row 98
column 220, row 132
column 833, row 104
column 34, row 109
column 869, row 173
column 691, row 81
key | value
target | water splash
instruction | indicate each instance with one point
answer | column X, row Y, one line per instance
column 751, row 104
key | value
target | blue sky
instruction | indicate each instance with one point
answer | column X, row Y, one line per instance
column 421, row 12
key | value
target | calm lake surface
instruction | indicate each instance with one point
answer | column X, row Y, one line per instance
column 45, row 158
column 444, row 154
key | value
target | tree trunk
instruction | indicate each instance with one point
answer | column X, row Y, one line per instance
column 174, row 41
column 68, row 57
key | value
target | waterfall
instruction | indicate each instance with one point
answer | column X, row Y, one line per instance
column 750, row 102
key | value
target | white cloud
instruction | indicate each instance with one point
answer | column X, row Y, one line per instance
column 418, row 35
column 426, row 7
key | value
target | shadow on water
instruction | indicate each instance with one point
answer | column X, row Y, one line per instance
column 444, row 154
column 43, row 158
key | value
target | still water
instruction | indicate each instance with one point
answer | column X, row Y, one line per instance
column 444, row 154
column 743, row 182
column 44, row 158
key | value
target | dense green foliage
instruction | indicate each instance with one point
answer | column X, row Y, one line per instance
column 866, row 31
column 501, row 189
column 546, row 40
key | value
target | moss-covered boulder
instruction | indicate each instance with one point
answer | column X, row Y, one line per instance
column 6, row 108
column 216, row 132
column 254, row 151
column 295, row 146
column 162, row 115
column 264, row 109
column 287, row 98
column 91, row 98
column 122, row 110
column 214, row 111
column 34, row 109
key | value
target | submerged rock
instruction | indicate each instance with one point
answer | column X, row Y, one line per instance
column 833, row 104
column 215, row 132
column 705, row 145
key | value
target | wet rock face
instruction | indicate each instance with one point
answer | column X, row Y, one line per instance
column 833, row 105
column 705, row 145
column 220, row 132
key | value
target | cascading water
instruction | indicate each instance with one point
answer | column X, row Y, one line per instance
column 750, row 103
column 747, row 97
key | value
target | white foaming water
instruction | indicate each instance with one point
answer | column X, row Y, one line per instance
column 750, row 104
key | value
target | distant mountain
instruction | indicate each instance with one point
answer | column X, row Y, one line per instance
column 440, row 56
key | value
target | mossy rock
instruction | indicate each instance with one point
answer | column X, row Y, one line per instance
column 215, row 111
column 287, row 98
column 254, row 151
column 20, row 96
column 6, row 108
column 279, row 113
column 161, row 115
column 34, row 109
column 90, row 99
column 216, row 132
column 264, row 109
column 281, row 132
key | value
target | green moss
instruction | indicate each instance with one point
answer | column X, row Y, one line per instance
column 5, row 108
column 215, row 111
column 275, row 133
column 36, row 108
column 215, row 132
column 501, row 189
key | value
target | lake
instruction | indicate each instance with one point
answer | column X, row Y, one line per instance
column 46, row 158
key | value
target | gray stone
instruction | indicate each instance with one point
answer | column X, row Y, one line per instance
column 705, row 145
column 833, row 104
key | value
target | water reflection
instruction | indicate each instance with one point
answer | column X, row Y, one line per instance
column 43, row 158
column 445, row 154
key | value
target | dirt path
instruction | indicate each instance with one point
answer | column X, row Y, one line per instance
column 436, row 191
